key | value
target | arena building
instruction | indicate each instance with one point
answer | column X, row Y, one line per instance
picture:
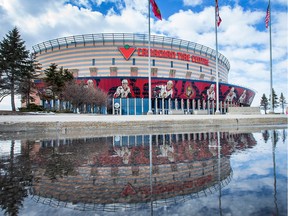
column 183, row 72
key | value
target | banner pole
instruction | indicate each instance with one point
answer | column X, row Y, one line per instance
column 149, row 62
column 271, row 77
column 217, row 74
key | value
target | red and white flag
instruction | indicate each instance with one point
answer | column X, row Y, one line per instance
column 219, row 20
column 267, row 18
column 155, row 9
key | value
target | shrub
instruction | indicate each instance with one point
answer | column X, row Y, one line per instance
column 31, row 108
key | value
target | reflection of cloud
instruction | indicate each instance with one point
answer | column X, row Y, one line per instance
column 251, row 191
column 5, row 147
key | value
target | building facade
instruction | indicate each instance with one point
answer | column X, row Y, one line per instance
column 118, row 64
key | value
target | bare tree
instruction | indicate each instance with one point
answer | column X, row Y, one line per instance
column 74, row 93
column 3, row 93
column 96, row 97
column 80, row 94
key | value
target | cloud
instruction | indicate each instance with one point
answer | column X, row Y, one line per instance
column 242, row 36
column 241, row 40
column 192, row 2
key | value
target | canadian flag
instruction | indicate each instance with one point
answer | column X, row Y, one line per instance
column 155, row 9
column 219, row 20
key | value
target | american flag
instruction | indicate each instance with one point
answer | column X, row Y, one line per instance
column 267, row 18
column 219, row 20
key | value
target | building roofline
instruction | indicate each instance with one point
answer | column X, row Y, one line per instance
column 129, row 38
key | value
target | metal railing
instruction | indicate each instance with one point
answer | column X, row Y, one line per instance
column 124, row 38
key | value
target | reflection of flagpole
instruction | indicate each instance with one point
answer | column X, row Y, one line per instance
column 217, row 75
column 274, row 169
column 151, row 166
column 149, row 61
column 219, row 171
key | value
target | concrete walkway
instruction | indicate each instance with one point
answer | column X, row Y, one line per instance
column 91, row 122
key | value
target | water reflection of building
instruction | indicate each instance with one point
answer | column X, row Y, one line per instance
column 116, row 169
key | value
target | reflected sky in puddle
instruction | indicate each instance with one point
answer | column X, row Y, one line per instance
column 213, row 173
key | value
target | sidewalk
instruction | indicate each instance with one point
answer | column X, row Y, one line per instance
column 89, row 121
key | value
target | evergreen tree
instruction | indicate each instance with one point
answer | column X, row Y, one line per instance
column 282, row 101
column 13, row 64
column 56, row 79
column 264, row 102
column 28, row 88
column 275, row 102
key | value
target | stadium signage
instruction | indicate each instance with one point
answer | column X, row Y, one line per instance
column 128, row 51
column 173, row 55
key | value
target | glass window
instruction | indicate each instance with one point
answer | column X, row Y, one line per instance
column 93, row 62
column 134, row 61
column 113, row 61
column 171, row 64
column 200, row 68
column 187, row 66
column 211, row 71
column 153, row 62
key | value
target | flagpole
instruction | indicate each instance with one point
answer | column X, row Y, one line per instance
column 217, row 75
column 271, row 78
column 149, row 62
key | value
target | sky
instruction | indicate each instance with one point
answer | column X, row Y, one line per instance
column 242, row 35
